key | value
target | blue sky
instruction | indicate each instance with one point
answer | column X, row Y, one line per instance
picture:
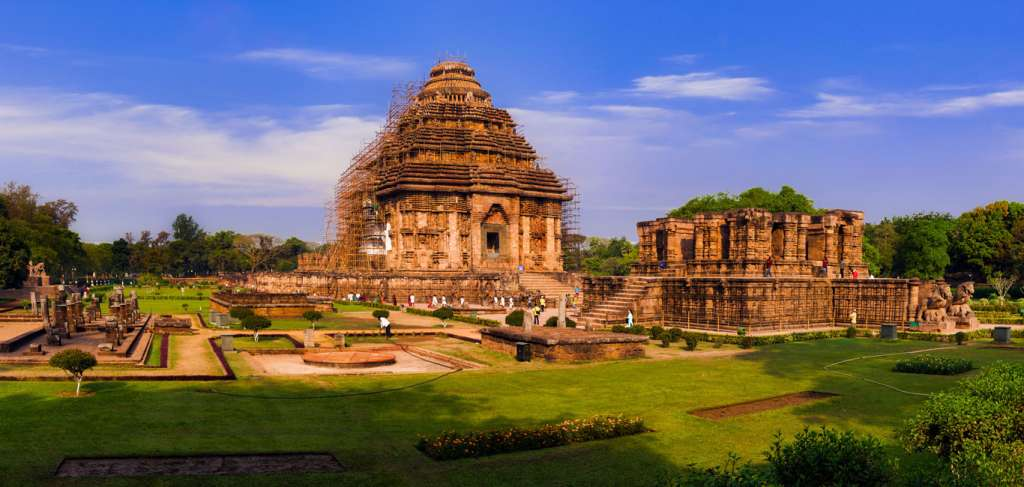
column 243, row 114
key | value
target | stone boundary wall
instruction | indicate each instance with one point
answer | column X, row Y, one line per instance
column 473, row 286
column 759, row 304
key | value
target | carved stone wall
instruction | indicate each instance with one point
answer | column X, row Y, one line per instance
column 474, row 287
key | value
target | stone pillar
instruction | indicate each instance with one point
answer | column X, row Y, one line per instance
column 561, row 311
column 32, row 298
column 528, row 320
column 309, row 340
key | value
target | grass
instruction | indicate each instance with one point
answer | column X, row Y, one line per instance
column 153, row 358
column 374, row 434
column 265, row 343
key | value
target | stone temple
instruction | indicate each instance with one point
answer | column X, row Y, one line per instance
column 709, row 273
column 449, row 199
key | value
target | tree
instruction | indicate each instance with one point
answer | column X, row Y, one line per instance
column 255, row 323
column 787, row 199
column 120, row 256
column 258, row 248
column 14, row 257
column 185, row 228
column 982, row 241
column 60, row 212
column 313, row 317
column 883, row 240
column 240, row 314
column 923, row 245
column 75, row 362
column 609, row 257
column 1002, row 284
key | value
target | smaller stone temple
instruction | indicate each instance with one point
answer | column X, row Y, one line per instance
column 711, row 272
column 741, row 243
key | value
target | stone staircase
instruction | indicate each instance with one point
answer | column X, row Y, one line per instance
column 613, row 310
column 545, row 284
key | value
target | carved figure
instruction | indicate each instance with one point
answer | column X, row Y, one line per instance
column 934, row 299
column 961, row 306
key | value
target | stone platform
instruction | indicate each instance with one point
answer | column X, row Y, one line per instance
column 565, row 344
column 348, row 360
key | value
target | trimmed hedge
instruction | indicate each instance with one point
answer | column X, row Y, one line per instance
column 552, row 321
column 452, row 445
column 371, row 304
column 828, row 457
column 933, row 365
column 460, row 318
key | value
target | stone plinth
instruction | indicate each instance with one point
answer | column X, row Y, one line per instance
column 270, row 305
column 565, row 344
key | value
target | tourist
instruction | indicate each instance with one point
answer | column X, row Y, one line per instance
column 842, row 269
column 629, row 319
column 856, row 274
column 444, row 301
column 543, row 303
column 536, row 315
column 495, row 300
column 503, row 301
column 510, row 303
column 412, row 300
column 394, row 300
column 462, row 302
column 385, row 326
column 853, row 317
column 824, row 267
column 768, row 267
column 433, row 301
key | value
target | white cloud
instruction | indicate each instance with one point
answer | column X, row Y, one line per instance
column 702, row 85
column 26, row 50
column 850, row 106
column 554, row 97
column 634, row 110
column 210, row 159
column 682, row 58
column 965, row 104
column 332, row 65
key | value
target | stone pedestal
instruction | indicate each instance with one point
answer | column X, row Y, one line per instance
column 309, row 340
column 561, row 311
column 227, row 343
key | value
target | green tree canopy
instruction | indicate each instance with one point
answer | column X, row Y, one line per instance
column 787, row 199
column 14, row 256
column 982, row 240
column 608, row 256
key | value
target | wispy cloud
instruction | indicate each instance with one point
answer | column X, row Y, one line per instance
column 703, row 85
column 25, row 50
column 332, row 65
column 887, row 105
column 634, row 110
column 682, row 58
column 555, row 96
column 208, row 158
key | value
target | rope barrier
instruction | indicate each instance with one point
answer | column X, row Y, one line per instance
column 872, row 381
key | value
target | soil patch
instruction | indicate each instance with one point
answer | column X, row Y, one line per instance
column 200, row 465
column 751, row 407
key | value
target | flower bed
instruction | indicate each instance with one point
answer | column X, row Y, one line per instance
column 453, row 445
column 933, row 365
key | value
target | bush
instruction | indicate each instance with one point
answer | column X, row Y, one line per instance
column 515, row 318
column 634, row 330
column 255, row 323
column 933, row 365
column 553, row 322
column 381, row 313
column 452, row 445
column 851, row 332
column 961, row 337
column 691, row 342
column 731, row 474
column 828, row 457
column 666, row 339
column 676, row 334
column 443, row 313
column 313, row 317
column 656, row 331
column 747, row 341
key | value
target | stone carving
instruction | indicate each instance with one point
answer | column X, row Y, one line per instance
column 960, row 308
column 37, row 276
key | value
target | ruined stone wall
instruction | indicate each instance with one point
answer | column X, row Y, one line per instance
column 474, row 287
column 757, row 304
column 569, row 352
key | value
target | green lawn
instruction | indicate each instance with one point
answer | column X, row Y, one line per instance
column 265, row 343
column 374, row 435
column 153, row 358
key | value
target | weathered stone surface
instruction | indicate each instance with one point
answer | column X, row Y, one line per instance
column 565, row 344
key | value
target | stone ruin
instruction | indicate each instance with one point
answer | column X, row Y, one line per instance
column 710, row 272
column 124, row 316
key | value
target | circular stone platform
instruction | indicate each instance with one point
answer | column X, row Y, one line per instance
column 348, row 360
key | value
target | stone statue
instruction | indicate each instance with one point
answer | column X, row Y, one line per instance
column 933, row 301
column 960, row 308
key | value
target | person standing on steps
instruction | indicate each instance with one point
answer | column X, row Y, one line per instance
column 629, row 318
column 768, row 267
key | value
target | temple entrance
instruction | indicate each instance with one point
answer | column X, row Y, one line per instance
column 724, row 231
column 661, row 245
column 778, row 241
column 494, row 237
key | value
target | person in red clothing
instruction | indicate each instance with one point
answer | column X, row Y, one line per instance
column 768, row 267
column 824, row 267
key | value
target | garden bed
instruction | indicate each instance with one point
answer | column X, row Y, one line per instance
column 759, row 405
column 236, row 464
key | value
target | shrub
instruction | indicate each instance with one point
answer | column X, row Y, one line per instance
column 730, row 474
column 718, row 342
column 453, row 445
column 75, row 362
column 666, row 339
column 634, row 330
column 553, row 321
column 961, row 337
column 747, row 342
column 828, row 457
column 656, row 331
column 741, row 331
column 381, row 313
column 676, row 334
column 514, row 318
column 933, row 365
column 443, row 313
column 980, row 465
column 691, row 342
column 851, row 332
column 986, row 408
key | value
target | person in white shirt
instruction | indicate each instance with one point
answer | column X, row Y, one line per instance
column 385, row 326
